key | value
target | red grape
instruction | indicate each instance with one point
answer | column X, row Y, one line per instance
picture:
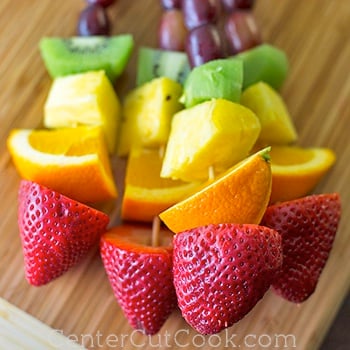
column 93, row 20
column 172, row 31
column 103, row 3
column 231, row 5
column 241, row 32
column 171, row 4
column 199, row 12
column 203, row 44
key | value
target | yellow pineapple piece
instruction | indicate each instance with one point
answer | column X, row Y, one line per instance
column 147, row 114
column 212, row 135
column 84, row 99
column 276, row 124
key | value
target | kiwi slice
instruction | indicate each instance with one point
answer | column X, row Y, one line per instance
column 221, row 78
column 264, row 63
column 156, row 63
column 64, row 56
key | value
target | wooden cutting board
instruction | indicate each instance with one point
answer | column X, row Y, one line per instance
column 19, row 330
column 314, row 34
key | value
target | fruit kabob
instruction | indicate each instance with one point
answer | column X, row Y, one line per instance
column 208, row 138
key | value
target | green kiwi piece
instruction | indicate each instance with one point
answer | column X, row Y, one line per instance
column 64, row 56
column 264, row 63
column 221, row 78
column 154, row 63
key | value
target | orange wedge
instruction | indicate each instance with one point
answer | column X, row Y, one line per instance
column 73, row 161
column 296, row 171
column 240, row 195
column 146, row 193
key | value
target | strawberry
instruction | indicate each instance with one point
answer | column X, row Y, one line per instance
column 140, row 275
column 221, row 271
column 56, row 231
column 308, row 227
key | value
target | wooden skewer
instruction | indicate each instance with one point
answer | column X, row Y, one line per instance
column 155, row 231
column 211, row 173
column 161, row 151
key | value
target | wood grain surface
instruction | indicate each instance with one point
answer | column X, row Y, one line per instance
column 315, row 35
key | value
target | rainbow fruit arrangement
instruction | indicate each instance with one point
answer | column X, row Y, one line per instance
column 211, row 151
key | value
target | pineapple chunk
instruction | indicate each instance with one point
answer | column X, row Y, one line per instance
column 84, row 99
column 211, row 135
column 276, row 124
column 147, row 114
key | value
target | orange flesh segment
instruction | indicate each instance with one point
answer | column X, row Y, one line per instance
column 73, row 161
column 296, row 171
column 146, row 193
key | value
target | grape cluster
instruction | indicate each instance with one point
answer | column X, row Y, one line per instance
column 93, row 20
column 207, row 29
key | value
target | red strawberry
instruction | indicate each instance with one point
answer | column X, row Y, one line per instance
column 221, row 271
column 308, row 227
column 140, row 275
column 56, row 231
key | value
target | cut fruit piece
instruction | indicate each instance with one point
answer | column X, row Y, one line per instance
column 56, row 232
column 240, row 195
column 212, row 135
column 264, row 63
column 296, row 171
column 65, row 56
column 222, row 271
column 146, row 193
column 73, row 162
column 308, row 227
column 220, row 78
column 276, row 124
column 155, row 63
column 140, row 274
column 147, row 114
column 84, row 99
